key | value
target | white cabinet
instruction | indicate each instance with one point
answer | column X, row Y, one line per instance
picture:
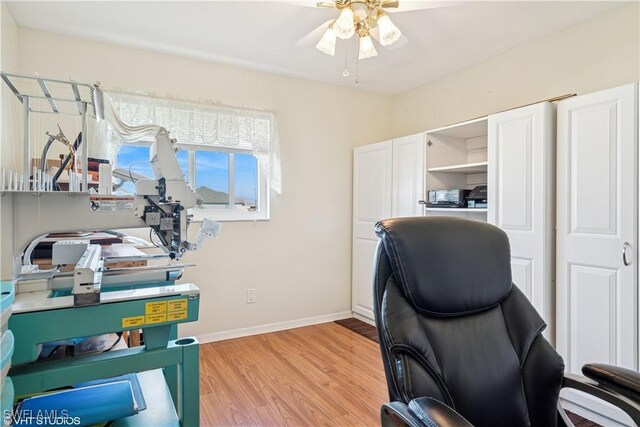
column 408, row 176
column 388, row 181
column 372, row 180
column 597, row 214
column 574, row 245
column 521, row 196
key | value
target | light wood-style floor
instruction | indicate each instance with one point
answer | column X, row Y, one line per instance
column 321, row 375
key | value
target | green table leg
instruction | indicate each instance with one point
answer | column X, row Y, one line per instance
column 171, row 372
column 190, row 383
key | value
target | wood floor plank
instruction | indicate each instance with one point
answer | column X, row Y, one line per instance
column 312, row 376
column 344, row 385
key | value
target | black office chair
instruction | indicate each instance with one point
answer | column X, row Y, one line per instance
column 463, row 346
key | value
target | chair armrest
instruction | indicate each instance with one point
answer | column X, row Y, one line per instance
column 624, row 381
column 421, row 412
column 628, row 405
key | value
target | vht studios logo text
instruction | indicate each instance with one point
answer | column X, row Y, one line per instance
column 40, row 418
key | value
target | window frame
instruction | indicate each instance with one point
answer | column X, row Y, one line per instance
column 227, row 213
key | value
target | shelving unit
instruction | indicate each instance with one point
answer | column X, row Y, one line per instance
column 477, row 167
column 457, row 210
column 47, row 104
column 457, row 158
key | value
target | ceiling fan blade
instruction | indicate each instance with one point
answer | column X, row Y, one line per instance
column 303, row 3
column 403, row 40
column 389, row 3
column 309, row 3
column 394, row 6
column 314, row 36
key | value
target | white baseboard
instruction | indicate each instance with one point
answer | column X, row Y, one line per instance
column 272, row 327
column 365, row 319
column 590, row 414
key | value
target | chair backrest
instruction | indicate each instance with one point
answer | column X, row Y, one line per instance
column 453, row 327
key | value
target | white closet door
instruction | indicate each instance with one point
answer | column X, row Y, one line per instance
column 597, row 217
column 520, row 175
column 372, row 183
column 408, row 175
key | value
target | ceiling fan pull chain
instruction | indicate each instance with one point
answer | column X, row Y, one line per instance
column 345, row 73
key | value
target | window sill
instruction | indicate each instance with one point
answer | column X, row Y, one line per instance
column 223, row 216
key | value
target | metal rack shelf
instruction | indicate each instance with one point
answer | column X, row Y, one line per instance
column 28, row 88
column 13, row 81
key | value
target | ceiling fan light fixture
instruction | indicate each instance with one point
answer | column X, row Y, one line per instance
column 389, row 33
column 367, row 49
column 344, row 26
column 327, row 43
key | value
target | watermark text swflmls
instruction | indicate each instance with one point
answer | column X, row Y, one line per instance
column 40, row 418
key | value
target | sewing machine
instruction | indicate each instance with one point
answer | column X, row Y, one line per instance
column 52, row 305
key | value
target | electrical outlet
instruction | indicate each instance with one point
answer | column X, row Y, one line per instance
column 251, row 295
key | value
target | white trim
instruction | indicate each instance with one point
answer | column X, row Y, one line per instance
column 184, row 146
column 223, row 214
column 272, row 327
column 588, row 414
column 364, row 319
column 232, row 180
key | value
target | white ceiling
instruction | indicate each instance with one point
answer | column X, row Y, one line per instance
column 262, row 35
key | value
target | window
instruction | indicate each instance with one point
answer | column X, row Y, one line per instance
column 229, row 155
column 228, row 184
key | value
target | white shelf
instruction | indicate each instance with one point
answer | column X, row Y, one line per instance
column 479, row 167
column 456, row 209
column 464, row 130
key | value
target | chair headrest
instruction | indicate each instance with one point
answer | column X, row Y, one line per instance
column 448, row 266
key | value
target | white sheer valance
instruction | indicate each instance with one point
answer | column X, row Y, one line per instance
column 207, row 125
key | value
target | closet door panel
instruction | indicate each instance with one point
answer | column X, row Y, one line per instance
column 522, row 275
column 372, row 188
column 521, row 155
column 597, row 214
column 592, row 157
column 597, row 218
column 514, row 158
column 595, row 306
column 408, row 175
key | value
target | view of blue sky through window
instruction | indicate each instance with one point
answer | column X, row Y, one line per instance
column 212, row 173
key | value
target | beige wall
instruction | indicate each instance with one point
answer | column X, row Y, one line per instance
column 9, row 104
column 9, row 113
column 300, row 260
column 597, row 54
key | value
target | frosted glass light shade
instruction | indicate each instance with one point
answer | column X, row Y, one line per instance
column 344, row 26
column 389, row 33
column 327, row 43
column 367, row 49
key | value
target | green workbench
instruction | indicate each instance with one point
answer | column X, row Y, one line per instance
column 157, row 317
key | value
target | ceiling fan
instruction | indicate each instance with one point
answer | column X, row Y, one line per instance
column 368, row 19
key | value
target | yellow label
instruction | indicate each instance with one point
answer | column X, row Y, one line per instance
column 155, row 308
column 177, row 305
column 177, row 315
column 156, row 318
column 129, row 322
